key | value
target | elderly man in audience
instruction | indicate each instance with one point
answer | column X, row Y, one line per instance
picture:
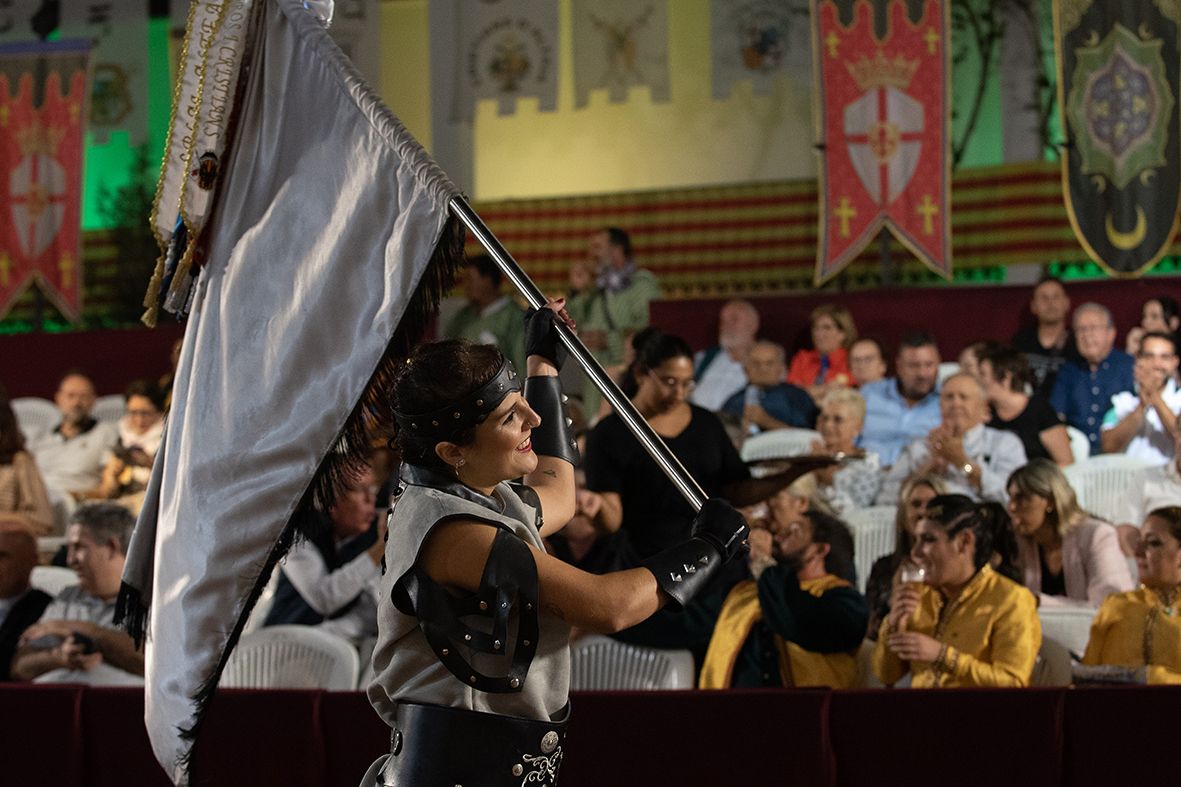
column 867, row 362
column 1047, row 344
column 20, row 605
column 1082, row 393
column 1005, row 374
column 899, row 410
column 609, row 297
column 768, row 402
column 76, row 640
column 1138, row 633
column 799, row 622
column 488, row 317
column 1141, row 422
column 720, row 371
column 972, row 459
column 332, row 581
column 71, row 456
column 855, row 482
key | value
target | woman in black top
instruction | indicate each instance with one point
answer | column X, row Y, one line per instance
column 1006, row 375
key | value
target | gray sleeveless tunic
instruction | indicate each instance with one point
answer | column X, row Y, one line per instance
column 405, row 668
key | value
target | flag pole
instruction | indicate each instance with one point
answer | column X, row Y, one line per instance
column 672, row 467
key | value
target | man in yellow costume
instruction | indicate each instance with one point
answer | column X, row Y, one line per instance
column 799, row 622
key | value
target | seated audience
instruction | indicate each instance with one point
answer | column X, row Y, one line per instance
column 20, row 604
column 126, row 472
column 867, row 362
column 719, row 371
column 1006, row 376
column 855, row 482
column 827, row 363
column 971, row 458
column 1140, row 630
column 916, row 492
column 800, row 621
column 1084, row 387
column 1048, row 343
column 967, row 624
column 899, row 410
column 76, row 640
column 332, row 581
column 488, row 317
column 969, row 359
column 767, row 401
column 1158, row 315
column 71, row 456
column 1142, row 421
column 23, row 499
column 1151, row 488
column 1064, row 553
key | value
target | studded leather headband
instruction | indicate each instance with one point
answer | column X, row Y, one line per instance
column 447, row 421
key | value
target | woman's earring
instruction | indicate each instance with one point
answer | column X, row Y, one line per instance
column 458, row 465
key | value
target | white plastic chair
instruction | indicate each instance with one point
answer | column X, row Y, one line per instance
column 1101, row 482
column 52, row 579
column 599, row 663
column 1069, row 626
column 35, row 415
column 778, row 443
column 1080, row 446
column 292, row 657
column 873, row 536
column 946, row 369
column 109, row 408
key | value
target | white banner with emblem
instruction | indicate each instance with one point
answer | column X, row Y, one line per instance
column 759, row 41
column 620, row 44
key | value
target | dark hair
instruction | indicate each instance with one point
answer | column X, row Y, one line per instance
column 617, row 237
column 435, row 375
column 11, row 438
column 1168, row 337
column 915, row 339
column 1006, row 360
column 653, row 347
column 105, row 521
column 827, row 529
column 988, row 521
column 1171, row 516
column 148, row 390
column 75, row 371
column 1048, row 279
column 1168, row 307
column 487, row 268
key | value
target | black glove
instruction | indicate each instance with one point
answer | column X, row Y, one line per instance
column 541, row 336
column 720, row 524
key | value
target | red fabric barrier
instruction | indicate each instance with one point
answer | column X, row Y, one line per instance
column 354, row 736
column 117, row 749
column 1121, row 736
column 42, row 739
column 939, row 737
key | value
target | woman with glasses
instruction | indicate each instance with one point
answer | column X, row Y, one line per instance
column 630, row 499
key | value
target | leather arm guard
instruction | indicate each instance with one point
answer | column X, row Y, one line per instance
column 683, row 570
column 553, row 437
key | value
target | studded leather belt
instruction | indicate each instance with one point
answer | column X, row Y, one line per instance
column 433, row 745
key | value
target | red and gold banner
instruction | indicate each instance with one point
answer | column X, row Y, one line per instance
column 883, row 115
column 43, row 105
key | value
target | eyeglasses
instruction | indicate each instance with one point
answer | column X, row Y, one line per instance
column 672, row 383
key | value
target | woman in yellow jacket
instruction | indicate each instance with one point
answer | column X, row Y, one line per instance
column 968, row 624
column 1141, row 629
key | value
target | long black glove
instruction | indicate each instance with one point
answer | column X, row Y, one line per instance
column 541, row 336
column 719, row 535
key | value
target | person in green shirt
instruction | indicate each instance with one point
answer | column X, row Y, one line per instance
column 609, row 297
column 488, row 317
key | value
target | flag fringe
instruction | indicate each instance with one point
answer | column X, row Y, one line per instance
column 371, row 419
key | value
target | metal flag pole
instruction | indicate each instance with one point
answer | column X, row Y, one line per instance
column 672, row 467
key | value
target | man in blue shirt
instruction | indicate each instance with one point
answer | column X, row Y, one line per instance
column 899, row 410
column 768, row 402
column 1082, row 393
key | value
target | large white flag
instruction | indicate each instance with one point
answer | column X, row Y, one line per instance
column 760, row 41
column 326, row 248
column 119, row 87
column 504, row 49
column 619, row 44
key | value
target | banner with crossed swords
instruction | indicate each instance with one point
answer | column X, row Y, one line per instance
column 882, row 113
column 43, row 106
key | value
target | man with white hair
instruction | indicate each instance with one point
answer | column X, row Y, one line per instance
column 719, row 370
column 972, row 459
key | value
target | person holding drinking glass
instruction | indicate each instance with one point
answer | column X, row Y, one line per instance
column 965, row 623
